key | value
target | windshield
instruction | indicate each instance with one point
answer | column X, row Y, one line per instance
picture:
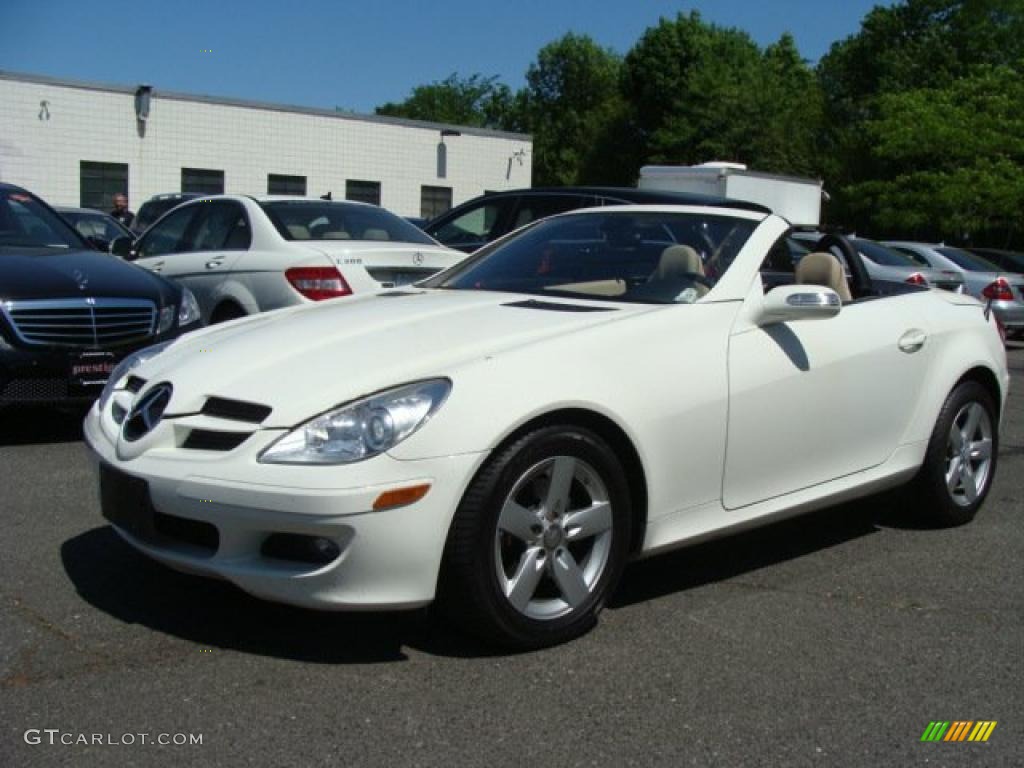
column 881, row 255
column 324, row 220
column 26, row 222
column 969, row 261
column 648, row 257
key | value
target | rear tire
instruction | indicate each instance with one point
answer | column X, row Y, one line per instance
column 960, row 463
column 539, row 540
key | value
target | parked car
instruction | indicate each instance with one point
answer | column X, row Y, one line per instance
column 241, row 255
column 889, row 266
column 982, row 279
column 68, row 314
column 157, row 206
column 504, row 436
column 486, row 218
column 1010, row 261
column 98, row 228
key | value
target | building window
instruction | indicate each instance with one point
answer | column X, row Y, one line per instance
column 99, row 182
column 363, row 191
column 278, row 184
column 202, row 180
column 434, row 201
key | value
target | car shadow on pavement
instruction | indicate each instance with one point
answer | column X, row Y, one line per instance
column 31, row 424
column 122, row 583
column 749, row 551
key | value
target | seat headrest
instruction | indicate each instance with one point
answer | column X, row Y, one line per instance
column 679, row 260
column 824, row 269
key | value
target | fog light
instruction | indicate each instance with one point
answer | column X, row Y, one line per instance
column 297, row 548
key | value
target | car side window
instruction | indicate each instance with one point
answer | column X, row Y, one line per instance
column 168, row 235
column 912, row 254
column 218, row 223
column 536, row 207
column 474, row 226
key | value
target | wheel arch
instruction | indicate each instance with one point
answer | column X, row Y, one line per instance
column 620, row 443
column 984, row 376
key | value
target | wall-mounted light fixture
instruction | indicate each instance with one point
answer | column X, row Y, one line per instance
column 143, row 95
column 44, row 110
column 442, row 152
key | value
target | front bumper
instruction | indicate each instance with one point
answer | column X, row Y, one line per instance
column 387, row 559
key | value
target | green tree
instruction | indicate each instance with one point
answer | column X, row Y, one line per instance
column 920, row 60
column 475, row 100
column 953, row 158
column 702, row 92
column 570, row 102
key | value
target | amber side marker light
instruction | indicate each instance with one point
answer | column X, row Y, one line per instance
column 400, row 497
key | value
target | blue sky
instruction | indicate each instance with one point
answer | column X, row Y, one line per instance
column 356, row 54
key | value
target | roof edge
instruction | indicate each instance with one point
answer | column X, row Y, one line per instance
column 227, row 101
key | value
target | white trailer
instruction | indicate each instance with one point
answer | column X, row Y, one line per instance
column 796, row 200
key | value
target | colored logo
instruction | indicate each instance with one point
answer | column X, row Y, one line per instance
column 958, row 730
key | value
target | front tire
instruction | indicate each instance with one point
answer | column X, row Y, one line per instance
column 960, row 463
column 539, row 540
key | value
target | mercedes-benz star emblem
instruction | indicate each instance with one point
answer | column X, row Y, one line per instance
column 147, row 412
column 417, row 258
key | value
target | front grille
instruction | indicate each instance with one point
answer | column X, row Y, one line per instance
column 35, row 390
column 85, row 322
column 209, row 440
column 235, row 410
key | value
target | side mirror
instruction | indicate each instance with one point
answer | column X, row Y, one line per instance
column 123, row 246
column 787, row 303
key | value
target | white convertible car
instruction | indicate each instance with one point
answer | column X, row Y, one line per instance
column 504, row 437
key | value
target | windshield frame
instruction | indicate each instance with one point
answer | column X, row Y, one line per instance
column 446, row 279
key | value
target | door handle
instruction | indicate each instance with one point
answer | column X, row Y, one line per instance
column 912, row 340
column 214, row 263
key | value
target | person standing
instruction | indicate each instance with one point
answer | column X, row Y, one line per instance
column 120, row 211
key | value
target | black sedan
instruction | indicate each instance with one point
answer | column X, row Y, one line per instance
column 68, row 313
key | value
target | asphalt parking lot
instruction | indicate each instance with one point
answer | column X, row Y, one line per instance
column 832, row 639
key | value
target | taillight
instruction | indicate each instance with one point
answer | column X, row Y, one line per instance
column 917, row 279
column 318, row 283
column 998, row 291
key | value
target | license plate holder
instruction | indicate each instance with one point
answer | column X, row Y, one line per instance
column 125, row 502
column 88, row 371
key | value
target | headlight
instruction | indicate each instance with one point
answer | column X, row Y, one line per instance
column 123, row 368
column 361, row 429
column 188, row 313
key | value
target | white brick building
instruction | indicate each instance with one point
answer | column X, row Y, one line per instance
column 76, row 143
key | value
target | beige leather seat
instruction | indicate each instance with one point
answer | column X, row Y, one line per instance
column 375, row 234
column 674, row 276
column 298, row 231
column 335, row 234
column 823, row 269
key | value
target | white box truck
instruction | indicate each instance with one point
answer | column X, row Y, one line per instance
column 796, row 200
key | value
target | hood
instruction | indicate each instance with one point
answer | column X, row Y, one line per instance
column 302, row 361
column 51, row 273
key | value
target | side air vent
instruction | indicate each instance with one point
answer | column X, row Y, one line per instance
column 556, row 307
column 236, row 410
column 134, row 384
column 209, row 440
